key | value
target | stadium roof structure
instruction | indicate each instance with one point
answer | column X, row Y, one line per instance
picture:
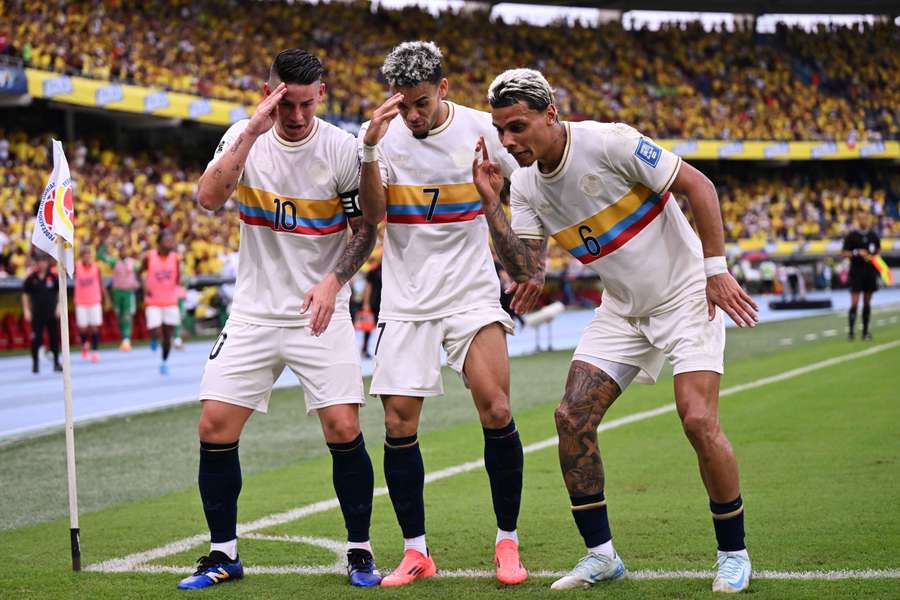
column 755, row 7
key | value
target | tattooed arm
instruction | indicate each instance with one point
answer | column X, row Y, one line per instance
column 219, row 181
column 524, row 259
column 322, row 296
column 589, row 393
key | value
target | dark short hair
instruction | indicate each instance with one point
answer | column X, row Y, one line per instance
column 296, row 66
column 163, row 233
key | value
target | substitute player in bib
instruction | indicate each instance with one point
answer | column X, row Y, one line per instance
column 90, row 296
column 162, row 275
column 439, row 289
column 604, row 192
column 296, row 179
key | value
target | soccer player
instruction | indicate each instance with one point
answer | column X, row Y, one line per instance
column 604, row 192
column 161, row 278
column 297, row 179
column 90, row 296
column 124, row 286
column 440, row 289
column 40, row 308
column 860, row 246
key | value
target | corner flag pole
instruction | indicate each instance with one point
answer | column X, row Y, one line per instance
column 67, row 392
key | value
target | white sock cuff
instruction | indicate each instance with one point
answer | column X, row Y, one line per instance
column 507, row 535
column 229, row 548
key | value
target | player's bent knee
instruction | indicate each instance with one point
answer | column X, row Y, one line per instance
column 497, row 415
column 341, row 432
column 395, row 425
column 218, row 424
column 702, row 429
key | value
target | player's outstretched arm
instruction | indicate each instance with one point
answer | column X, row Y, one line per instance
column 321, row 298
column 372, row 198
column 219, row 181
column 721, row 288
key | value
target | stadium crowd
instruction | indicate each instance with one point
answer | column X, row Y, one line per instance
column 123, row 200
column 837, row 83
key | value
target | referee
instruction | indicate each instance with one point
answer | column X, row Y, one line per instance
column 39, row 303
column 860, row 246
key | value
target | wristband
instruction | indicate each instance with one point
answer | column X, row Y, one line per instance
column 715, row 265
column 369, row 153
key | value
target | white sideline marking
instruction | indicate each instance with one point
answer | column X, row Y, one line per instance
column 786, row 341
column 880, row 322
column 829, row 333
column 811, row 337
column 836, row 575
column 136, row 562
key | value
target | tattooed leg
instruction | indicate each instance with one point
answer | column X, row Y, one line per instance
column 589, row 393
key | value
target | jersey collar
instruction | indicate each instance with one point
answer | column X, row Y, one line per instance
column 567, row 152
column 299, row 144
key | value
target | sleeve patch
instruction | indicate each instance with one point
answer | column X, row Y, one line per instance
column 648, row 152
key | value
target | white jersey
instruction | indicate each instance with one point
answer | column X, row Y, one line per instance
column 608, row 204
column 293, row 225
column 437, row 261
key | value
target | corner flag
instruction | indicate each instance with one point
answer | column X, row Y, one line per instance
column 56, row 213
column 54, row 233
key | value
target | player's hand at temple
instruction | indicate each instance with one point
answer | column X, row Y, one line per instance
column 486, row 175
column 527, row 293
column 320, row 302
column 381, row 118
column 264, row 117
column 723, row 291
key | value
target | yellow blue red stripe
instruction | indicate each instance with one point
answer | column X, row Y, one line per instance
column 612, row 227
column 291, row 215
column 438, row 203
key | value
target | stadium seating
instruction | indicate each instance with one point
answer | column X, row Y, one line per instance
column 836, row 83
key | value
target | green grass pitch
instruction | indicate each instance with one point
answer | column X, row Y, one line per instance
column 818, row 448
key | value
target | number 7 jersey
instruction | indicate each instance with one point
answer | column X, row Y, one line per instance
column 608, row 203
column 437, row 261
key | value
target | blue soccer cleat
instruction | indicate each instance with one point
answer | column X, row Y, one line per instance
column 163, row 369
column 361, row 568
column 212, row 569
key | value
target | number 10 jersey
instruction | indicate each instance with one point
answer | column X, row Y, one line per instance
column 293, row 223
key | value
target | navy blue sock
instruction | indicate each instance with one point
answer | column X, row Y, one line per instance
column 728, row 519
column 95, row 341
column 404, row 472
column 354, row 483
column 220, row 485
column 504, row 460
column 851, row 318
column 866, row 314
column 591, row 518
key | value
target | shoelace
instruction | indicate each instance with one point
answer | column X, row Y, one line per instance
column 730, row 566
column 204, row 563
column 582, row 566
column 359, row 559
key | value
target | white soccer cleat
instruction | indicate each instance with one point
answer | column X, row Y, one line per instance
column 733, row 572
column 591, row 569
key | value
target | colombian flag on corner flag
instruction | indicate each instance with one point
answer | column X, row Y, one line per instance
column 882, row 269
column 56, row 213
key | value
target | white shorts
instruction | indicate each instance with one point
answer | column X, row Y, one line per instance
column 684, row 335
column 246, row 360
column 408, row 353
column 88, row 315
column 162, row 315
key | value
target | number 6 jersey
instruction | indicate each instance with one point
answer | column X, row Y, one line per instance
column 608, row 204
column 292, row 198
column 437, row 261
